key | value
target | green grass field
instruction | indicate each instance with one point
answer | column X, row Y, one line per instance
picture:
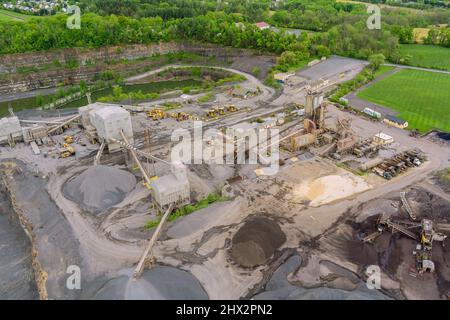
column 12, row 16
column 422, row 98
column 382, row 70
column 427, row 56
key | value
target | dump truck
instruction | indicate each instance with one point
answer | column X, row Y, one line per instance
column 180, row 116
column 211, row 113
column 221, row 110
column 232, row 108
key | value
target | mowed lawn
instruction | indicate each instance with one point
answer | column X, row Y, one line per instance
column 422, row 98
column 6, row 15
column 427, row 56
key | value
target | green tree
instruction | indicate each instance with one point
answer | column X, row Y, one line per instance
column 83, row 86
column 376, row 60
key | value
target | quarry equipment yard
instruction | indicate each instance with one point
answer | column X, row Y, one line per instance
column 98, row 188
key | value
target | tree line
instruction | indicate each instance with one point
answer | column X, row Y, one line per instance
column 348, row 38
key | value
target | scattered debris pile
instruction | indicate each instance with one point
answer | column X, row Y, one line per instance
column 399, row 163
column 99, row 187
column 256, row 242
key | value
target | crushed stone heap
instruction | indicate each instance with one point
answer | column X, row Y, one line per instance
column 256, row 242
column 99, row 187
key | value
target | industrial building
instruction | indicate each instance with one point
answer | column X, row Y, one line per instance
column 10, row 130
column 105, row 122
column 396, row 122
column 172, row 188
column 34, row 133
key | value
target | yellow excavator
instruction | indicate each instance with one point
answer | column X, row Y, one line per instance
column 68, row 139
column 67, row 151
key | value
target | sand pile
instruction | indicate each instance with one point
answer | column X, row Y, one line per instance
column 99, row 187
column 256, row 242
column 329, row 188
column 158, row 283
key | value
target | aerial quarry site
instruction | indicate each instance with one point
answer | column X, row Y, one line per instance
column 220, row 186
column 95, row 187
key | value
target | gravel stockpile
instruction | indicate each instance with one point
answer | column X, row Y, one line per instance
column 279, row 288
column 158, row 283
column 99, row 187
column 16, row 272
column 256, row 242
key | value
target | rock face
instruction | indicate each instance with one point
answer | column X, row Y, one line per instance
column 256, row 242
column 99, row 188
column 92, row 62
column 158, row 283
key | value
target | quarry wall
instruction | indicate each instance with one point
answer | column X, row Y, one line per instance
column 38, row 70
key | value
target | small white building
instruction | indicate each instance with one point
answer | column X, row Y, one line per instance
column 172, row 188
column 382, row 139
column 10, row 129
column 109, row 121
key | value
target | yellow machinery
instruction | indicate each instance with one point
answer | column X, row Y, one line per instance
column 232, row 108
column 68, row 139
column 156, row 114
column 211, row 113
column 67, row 151
column 221, row 110
column 183, row 116
column 180, row 116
